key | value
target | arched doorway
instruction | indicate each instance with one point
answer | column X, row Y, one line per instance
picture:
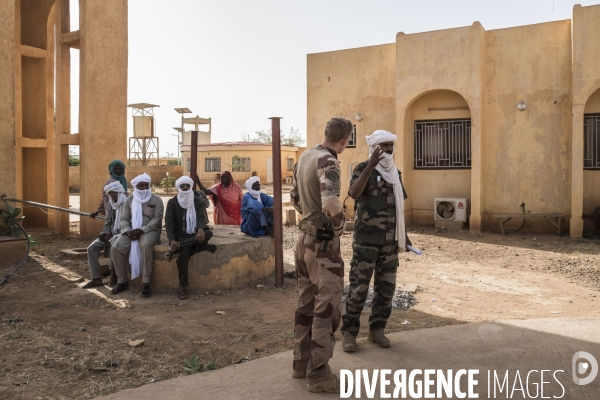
column 437, row 143
column 591, row 159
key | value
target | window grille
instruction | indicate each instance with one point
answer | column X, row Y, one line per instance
column 443, row 144
column 212, row 164
column 240, row 164
column 591, row 141
column 352, row 142
column 290, row 164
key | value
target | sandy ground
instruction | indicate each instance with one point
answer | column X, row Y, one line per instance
column 60, row 341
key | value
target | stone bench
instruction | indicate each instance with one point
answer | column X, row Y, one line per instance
column 239, row 260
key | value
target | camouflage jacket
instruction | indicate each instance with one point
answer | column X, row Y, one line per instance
column 316, row 190
column 375, row 209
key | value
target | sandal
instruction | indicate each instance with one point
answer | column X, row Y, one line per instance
column 182, row 294
column 146, row 290
column 93, row 283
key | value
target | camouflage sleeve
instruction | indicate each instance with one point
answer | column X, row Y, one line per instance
column 355, row 175
column 328, row 171
column 294, row 196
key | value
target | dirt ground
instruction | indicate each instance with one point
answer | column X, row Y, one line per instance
column 58, row 341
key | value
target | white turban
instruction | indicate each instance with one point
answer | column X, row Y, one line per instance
column 389, row 172
column 137, row 219
column 116, row 186
column 249, row 183
column 186, row 201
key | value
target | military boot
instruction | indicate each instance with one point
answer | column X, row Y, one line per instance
column 331, row 385
column 379, row 337
column 349, row 344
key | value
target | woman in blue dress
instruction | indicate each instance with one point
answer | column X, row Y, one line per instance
column 257, row 210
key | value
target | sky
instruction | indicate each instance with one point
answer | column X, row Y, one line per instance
column 240, row 62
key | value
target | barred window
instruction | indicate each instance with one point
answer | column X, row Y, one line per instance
column 591, row 141
column 290, row 164
column 212, row 164
column 352, row 142
column 240, row 164
column 443, row 144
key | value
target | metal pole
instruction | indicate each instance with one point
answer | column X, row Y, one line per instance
column 33, row 203
column 278, row 210
column 194, row 156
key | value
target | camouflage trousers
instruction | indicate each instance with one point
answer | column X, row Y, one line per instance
column 318, row 313
column 368, row 259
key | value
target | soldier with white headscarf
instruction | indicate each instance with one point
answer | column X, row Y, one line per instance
column 116, row 196
column 186, row 222
column 141, row 223
column 379, row 234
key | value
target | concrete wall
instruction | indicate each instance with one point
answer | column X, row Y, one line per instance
column 157, row 173
column 344, row 83
column 8, row 184
column 527, row 152
column 74, row 179
column 258, row 161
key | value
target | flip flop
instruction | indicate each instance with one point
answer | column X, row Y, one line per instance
column 182, row 294
column 92, row 284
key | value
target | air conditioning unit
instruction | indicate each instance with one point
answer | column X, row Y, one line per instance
column 445, row 209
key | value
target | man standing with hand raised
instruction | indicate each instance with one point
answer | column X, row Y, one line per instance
column 379, row 234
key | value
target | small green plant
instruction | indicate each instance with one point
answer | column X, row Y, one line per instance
column 168, row 180
column 9, row 226
column 11, row 215
column 194, row 365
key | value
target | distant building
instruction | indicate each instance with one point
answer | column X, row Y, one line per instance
column 241, row 158
column 499, row 117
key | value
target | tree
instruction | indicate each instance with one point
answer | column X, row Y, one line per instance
column 293, row 138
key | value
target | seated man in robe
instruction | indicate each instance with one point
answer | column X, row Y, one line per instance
column 257, row 210
column 186, row 222
column 141, row 223
column 111, row 228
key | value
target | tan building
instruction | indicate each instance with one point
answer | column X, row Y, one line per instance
column 496, row 117
column 246, row 157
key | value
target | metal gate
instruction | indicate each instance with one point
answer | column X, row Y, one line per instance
column 443, row 144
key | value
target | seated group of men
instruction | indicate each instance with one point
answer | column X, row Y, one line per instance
column 133, row 225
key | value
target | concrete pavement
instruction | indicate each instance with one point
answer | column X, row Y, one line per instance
column 516, row 346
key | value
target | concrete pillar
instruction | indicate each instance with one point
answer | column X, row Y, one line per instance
column 477, row 151
column 63, row 114
column 103, row 98
column 576, row 221
column 8, row 184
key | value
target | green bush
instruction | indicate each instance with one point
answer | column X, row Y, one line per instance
column 170, row 180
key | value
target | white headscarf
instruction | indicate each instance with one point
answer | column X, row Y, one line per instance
column 116, row 186
column 137, row 219
column 186, row 201
column 249, row 183
column 389, row 172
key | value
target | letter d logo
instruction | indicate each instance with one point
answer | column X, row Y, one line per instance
column 582, row 367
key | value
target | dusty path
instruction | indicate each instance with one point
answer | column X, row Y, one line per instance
column 73, row 343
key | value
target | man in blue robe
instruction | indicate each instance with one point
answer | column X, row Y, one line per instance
column 257, row 210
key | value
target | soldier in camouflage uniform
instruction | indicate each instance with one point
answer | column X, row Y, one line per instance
column 375, row 247
column 319, row 265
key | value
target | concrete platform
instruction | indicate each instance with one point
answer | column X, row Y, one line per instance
column 12, row 250
column 514, row 345
column 239, row 260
